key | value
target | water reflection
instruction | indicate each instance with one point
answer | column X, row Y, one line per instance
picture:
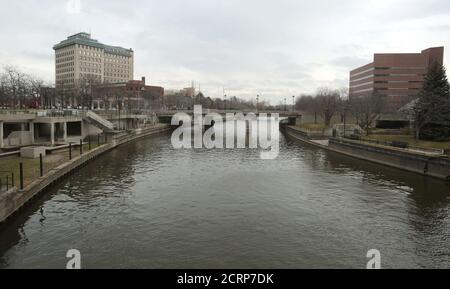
column 426, row 200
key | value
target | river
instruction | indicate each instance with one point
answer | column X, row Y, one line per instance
column 147, row 205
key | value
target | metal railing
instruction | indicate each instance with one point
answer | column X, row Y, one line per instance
column 396, row 144
column 6, row 180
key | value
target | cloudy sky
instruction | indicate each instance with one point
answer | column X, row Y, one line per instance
column 275, row 48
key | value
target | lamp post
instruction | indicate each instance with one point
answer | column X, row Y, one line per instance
column 285, row 107
column 345, row 116
column 118, row 108
column 257, row 103
column 225, row 102
column 293, row 103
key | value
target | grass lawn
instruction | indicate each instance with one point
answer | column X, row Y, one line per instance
column 410, row 140
column 31, row 166
column 312, row 126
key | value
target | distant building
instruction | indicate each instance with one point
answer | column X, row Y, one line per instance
column 398, row 77
column 187, row 92
column 133, row 94
column 81, row 58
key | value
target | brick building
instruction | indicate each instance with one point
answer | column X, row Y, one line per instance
column 397, row 76
column 133, row 94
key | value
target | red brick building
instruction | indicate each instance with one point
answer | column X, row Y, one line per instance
column 134, row 94
column 397, row 76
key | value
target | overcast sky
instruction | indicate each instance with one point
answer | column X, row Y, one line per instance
column 274, row 48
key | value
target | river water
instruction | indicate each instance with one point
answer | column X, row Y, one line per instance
column 147, row 205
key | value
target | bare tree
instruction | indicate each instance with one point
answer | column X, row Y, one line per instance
column 18, row 89
column 365, row 109
column 308, row 103
column 16, row 86
column 84, row 89
column 329, row 101
column 3, row 91
column 35, row 89
column 343, row 103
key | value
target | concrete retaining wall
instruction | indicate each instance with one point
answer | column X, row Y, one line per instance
column 434, row 166
column 13, row 200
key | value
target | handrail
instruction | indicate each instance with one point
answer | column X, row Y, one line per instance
column 7, row 182
column 391, row 144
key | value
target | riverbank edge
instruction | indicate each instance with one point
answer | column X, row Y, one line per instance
column 14, row 200
column 436, row 167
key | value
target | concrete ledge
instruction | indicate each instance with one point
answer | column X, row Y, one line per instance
column 32, row 152
column 433, row 166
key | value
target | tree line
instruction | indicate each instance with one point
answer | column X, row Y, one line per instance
column 180, row 101
column 19, row 89
column 328, row 103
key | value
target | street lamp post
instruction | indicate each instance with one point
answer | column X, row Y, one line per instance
column 119, row 107
column 293, row 103
column 345, row 116
column 225, row 101
column 257, row 103
column 285, row 107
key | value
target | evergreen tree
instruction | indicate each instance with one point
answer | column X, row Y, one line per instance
column 432, row 108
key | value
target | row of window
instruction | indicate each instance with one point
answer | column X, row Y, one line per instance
column 387, row 75
column 65, row 77
column 90, row 76
column 386, row 82
column 64, row 52
column 91, row 70
column 116, row 75
column 87, row 47
column 115, row 80
column 65, row 59
column 87, row 53
column 398, row 88
column 397, row 68
column 115, row 56
column 66, row 64
column 398, row 81
column 399, row 74
column 91, row 59
column 112, row 60
column 64, row 70
column 88, row 64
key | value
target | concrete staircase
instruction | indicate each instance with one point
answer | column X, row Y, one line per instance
column 99, row 121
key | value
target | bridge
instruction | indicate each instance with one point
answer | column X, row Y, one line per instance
column 286, row 117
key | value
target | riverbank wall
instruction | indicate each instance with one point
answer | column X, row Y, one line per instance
column 14, row 199
column 437, row 166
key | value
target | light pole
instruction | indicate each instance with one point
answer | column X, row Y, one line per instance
column 257, row 103
column 285, row 107
column 293, row 103
column 225, row 102
column 345, row 116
